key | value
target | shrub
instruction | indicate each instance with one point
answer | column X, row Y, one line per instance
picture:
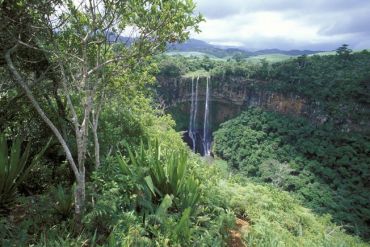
column 157, row 176
column 63, row 200
column 14, row 167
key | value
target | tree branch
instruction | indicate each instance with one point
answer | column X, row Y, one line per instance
column 69, row 101
column 23, row 84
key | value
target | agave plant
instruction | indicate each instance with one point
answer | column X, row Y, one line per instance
column 158, row 176
column 14, row 167
column 63, row 200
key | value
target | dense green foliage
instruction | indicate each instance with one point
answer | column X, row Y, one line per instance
column 122, row 209
column 334, row 88
column 154, row 200
column 117, row 173
column 340, row 83
column 322, row 161
column 175, row 66
column 157, row 178
column 278, row 219
column 326, row 168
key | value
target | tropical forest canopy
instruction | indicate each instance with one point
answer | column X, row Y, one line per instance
column 89, row 156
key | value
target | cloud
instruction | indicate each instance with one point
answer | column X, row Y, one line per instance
column 286, row 24
column 347, row 24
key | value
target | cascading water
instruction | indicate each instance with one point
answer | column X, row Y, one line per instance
column 206, row 139
column 193, row 112
column 196, row 109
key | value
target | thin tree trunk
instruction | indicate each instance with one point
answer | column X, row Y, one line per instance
column 83, row 132
column 79, row 173
column 95, row 117
column 37, row 107
column 97, row 149
column 80, row 196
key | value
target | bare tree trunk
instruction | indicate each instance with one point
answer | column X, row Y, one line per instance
column 97, row 148
column 80, row 196
column 95, row 117
column 82, row 143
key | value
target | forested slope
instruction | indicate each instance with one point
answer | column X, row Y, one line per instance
column 326, row 168
column 339, row 84
column 324, row 162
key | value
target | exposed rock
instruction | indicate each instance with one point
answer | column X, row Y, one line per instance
column 230, row 97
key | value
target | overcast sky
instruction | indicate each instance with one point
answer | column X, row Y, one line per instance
column 286, row 24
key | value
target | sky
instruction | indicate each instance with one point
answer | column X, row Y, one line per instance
column 286, row 24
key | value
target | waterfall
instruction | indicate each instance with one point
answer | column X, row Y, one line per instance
column 196, row 109
column 206, row 141
column 191, row 123
column 193, row 112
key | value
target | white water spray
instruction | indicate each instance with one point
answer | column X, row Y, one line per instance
column 206, row 141
column 193, row 112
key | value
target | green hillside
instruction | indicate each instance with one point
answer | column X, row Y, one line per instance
column 323, row 162
column 323, row 167
column 271, row 58
column 190, row 54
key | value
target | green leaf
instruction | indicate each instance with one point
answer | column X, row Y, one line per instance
column 182, row 229
column 164, row 206
column 149, row 183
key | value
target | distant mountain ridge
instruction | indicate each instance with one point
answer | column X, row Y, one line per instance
column 195, row 45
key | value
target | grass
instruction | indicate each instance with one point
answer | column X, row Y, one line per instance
column 279, row 220
column 271, row 58
column 276, row 217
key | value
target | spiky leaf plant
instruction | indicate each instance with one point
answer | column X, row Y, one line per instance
column 63, row 200
column 159, row 175
column 14, row 167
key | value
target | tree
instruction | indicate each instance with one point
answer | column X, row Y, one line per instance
column 264, row 69
column 84, row 47
column 343, row 51
column 275, row 171
column 238, row 57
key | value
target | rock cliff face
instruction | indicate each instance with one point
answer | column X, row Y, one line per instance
column 228, row 98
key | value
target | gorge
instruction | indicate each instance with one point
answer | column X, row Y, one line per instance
column 200, row 104
column 300, row 125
